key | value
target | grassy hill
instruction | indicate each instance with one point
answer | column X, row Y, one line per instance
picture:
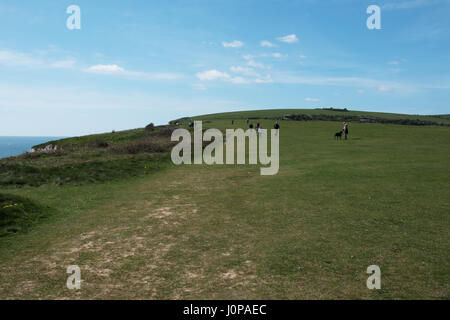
column 140, row 227
column 280, row 113
column 88, row 159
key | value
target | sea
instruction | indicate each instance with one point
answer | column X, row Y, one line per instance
column 13, row 146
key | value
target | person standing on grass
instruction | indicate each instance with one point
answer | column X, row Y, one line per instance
column 277, row 127
column 258, row 128
column 345, row 130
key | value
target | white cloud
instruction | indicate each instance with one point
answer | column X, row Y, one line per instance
column 105, row 68
column 40, row 59
column 245, row 71
column 239, row 80
column 393, row 63
column 255, row 64
column 359, row 91
column 114, row 69
column 247, row 56
column 251, row 76
column 303, row 56
column 266, row 43
column 292, row 38
column 212, row 75
column 266, row 79
column 312, row 99
column 278, row 55
column 233, row 44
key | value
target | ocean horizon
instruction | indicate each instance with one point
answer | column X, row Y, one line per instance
column 14, row 146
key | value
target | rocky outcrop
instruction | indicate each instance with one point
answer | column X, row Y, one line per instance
column 47, row 148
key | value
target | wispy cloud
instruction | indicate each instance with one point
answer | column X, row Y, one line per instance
column 278, row 55
column 114, row 69
column 214, row 75
column 292, row 38
column 18, row 59
column 253, row 63
column 37, row 59
column 245, row 71
column 233, row 44
column 357, row 82
column 41, row 59
column 64, row 64
column 312, row 99
column 106, row 69
column 268, row 44
column 384, row 88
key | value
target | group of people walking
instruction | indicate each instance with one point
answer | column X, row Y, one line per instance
column 276, row 126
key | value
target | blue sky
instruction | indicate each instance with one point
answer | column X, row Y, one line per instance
column 136, row 62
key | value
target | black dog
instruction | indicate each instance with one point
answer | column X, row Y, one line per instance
column 338, row 135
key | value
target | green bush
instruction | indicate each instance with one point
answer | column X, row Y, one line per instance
column 147, row 144
column 99, row 143
column 18, row 214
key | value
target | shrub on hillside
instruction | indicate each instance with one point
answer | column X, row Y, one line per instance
column 98, row 143
column 39, row 154
column 18, row 214
column 146, row 144
column 164, row 131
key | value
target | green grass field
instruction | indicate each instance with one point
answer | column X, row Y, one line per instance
column 143, row 228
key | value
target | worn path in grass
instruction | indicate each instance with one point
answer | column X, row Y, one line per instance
column 225, row 232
